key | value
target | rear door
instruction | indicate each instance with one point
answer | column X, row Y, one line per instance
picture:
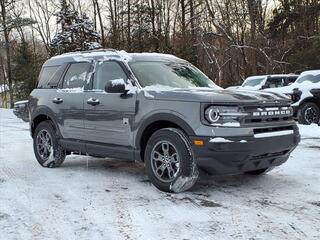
column 68, row 100
column 108, row 120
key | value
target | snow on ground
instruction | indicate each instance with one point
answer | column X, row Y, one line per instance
column 90, row 198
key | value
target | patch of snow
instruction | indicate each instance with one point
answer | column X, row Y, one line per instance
column 117, row 82
column 182, row 183
column 227, row 124
column 159, row 88
column 309, row 131
column 148, row 95
column 124, row 56
column 150, row 54
column 22, row 102
column 71, row 90
column 219, row 140
column 273, row 134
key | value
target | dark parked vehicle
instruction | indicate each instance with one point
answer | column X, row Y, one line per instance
column 21, row 110
column 157, row 109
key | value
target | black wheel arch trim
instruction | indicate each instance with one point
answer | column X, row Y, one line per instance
column 169, row 117
column 310, row 99
column 47, row 112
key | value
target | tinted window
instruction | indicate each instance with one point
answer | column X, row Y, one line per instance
column 46, row 75
column 252, row 82
column 106, row 71
column 76, row 75
column 292, row 79
column 275, row 82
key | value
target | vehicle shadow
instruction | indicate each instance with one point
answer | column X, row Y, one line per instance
column 205, row 184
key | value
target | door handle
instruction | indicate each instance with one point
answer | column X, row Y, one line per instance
column 57, row 100
column 93, row 101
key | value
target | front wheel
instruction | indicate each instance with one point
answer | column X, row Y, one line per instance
column 46, row 147
column 170, row 162
column 309, row 113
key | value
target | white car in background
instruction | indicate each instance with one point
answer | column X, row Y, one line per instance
column 305, row 94
column 266, row 81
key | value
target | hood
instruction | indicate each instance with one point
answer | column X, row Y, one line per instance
column 257, row 87
column 304, row 86
column 214, row 95
column 283, row 90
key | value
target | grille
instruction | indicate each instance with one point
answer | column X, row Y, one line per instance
column 258, row 114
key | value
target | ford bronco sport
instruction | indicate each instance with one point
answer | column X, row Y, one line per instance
column 157, row 109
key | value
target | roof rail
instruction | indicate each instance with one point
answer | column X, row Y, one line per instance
column 91, row 51
column 100, row 50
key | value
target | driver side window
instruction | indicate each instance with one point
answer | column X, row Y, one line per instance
column 107, row 71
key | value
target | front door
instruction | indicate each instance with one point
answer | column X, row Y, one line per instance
column 108, row 116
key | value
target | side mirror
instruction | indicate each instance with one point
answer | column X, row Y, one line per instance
column 115, row 86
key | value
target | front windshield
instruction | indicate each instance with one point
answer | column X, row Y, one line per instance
column 252, row 82
column 309, row 78
column 168, row 74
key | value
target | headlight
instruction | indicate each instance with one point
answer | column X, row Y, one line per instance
column 227, row 116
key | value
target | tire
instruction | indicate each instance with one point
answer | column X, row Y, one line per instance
column 46, row 147
column 259, row 171
column 169, row 150
column 308, row 113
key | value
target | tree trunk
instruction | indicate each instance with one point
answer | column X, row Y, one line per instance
column 101, row 23
column 129, row 26
column 252, row 8
column 7, row 47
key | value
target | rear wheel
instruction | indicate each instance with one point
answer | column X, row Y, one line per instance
column 170, row 161
column 46, row 147
column 309, row 113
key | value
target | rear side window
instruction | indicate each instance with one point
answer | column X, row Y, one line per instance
column 76, row 75
column 46, row 75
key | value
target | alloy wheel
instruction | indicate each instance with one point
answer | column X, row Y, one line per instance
column 165, row 161
column 44, row 144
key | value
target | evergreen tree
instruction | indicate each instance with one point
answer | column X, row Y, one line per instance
column 26, row 67
column 77, row 32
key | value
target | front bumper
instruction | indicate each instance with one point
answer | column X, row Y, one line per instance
column 295, row 111
column 244, row 154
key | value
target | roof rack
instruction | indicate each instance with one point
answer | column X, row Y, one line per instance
column 100, row 50
column 91, row 51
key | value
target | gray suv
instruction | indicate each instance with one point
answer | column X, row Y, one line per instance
column 157, row 109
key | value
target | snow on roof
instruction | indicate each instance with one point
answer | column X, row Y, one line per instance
column 310, row 72
column 107, row 54
column 274, row 75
